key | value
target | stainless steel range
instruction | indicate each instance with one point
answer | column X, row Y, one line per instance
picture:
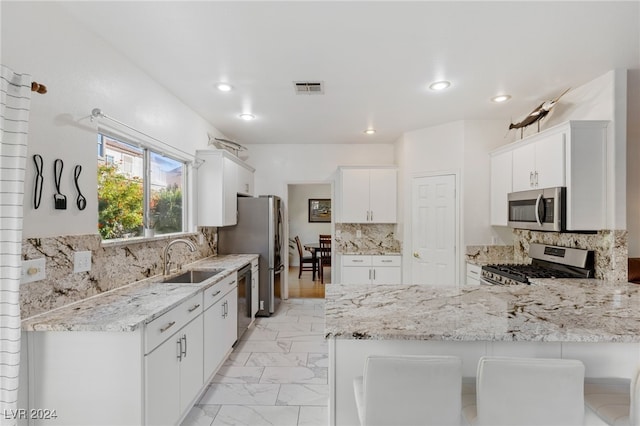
column 546, row 262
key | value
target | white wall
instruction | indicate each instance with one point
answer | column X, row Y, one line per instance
column 280, row 164
column 461, row 147
column 299, row 224
column 81, row 72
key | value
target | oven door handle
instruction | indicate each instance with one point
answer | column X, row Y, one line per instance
column 538, row 209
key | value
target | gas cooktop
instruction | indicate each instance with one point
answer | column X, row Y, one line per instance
column 547, row 262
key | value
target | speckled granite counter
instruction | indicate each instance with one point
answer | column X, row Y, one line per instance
column 546, row 311
column 130, row 307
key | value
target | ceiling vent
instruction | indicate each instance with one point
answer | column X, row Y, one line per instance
column 309, row 87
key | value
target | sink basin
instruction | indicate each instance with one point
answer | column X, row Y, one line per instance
column 193, row 277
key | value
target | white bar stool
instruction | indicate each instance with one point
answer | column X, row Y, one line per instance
column 409, row 390
column 615, row 401
column 527, row 391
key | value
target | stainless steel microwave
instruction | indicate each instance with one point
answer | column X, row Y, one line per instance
column 538, row 209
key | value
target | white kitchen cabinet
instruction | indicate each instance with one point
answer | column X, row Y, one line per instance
column 220, row 323
column 473, row 274
column 221, row 177
column 540, row 163
column 501, row 186
column 150, row 375
column 173, row 369
column 572, row 155
column 255, row 288
column 367, row 195
column 174, row 374
column 370, row 269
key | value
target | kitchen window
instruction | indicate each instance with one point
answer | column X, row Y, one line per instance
column 138, row 188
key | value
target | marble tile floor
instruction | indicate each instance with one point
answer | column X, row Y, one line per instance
column 276, row 375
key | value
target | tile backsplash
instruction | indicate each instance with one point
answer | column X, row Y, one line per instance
column 112, row 266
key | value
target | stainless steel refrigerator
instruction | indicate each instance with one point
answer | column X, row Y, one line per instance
column 259, row 230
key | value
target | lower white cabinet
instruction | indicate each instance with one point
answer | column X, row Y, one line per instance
column 220, row 323
column 149, row 376
column 174, row 374
column 473, row 274
column 371, row 269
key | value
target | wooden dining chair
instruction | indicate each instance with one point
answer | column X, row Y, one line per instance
column 305, row 261
column 324, row 252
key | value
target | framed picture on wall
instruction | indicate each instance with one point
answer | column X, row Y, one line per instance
column 319, row 210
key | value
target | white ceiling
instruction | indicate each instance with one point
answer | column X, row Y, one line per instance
column 376, row 59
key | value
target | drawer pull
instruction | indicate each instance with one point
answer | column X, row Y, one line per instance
column 216, row 293
column 168, row 326
column 357, row 260
column 473, row 272
column 194, row 308
column 386, row 261
column 232, row 282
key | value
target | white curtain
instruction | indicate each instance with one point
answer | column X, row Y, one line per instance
column 15, row 98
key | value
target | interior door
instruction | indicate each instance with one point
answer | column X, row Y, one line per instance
column 434, row 224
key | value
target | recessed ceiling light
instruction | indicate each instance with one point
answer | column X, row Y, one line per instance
column 439, row 85
column 370, row 131
column 224, row 87
column 501, row 98
column 246, row 116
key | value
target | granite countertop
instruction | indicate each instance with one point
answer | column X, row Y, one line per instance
column 129, row 307
column 371, row 252
column 552, row 310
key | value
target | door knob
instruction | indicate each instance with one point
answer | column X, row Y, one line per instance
column 416, row 255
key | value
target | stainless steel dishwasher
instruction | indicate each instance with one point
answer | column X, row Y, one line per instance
column 244, row 300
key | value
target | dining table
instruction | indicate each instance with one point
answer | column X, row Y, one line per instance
column 314, row 249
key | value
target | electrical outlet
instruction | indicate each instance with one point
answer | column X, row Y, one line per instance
column 81, row 261
column 33, row 270
column 358, row 233
column 200, row 239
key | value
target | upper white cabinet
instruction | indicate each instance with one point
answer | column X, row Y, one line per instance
column 367, row 195
column 540, row 163
column 221, row 178
column 572, row 155
column 501, row 185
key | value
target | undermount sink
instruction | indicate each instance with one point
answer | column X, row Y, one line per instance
column 193, row 277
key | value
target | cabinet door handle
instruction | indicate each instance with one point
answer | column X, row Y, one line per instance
column 168, row 326
column 369, row 274
column 184, row 350
column 374, row 274
column 371, row 215
column 223, row 309
column 194, row 307
column 216, row 293
column 536, row 178
column 179, row 344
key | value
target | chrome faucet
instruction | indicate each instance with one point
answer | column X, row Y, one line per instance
column 166, row 258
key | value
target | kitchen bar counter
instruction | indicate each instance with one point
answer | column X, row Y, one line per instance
column 129, row 307
column 595, row 321
column 552, row 310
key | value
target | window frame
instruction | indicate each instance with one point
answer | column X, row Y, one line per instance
column 148, row 147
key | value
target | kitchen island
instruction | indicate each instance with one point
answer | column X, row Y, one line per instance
column 595, row 321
